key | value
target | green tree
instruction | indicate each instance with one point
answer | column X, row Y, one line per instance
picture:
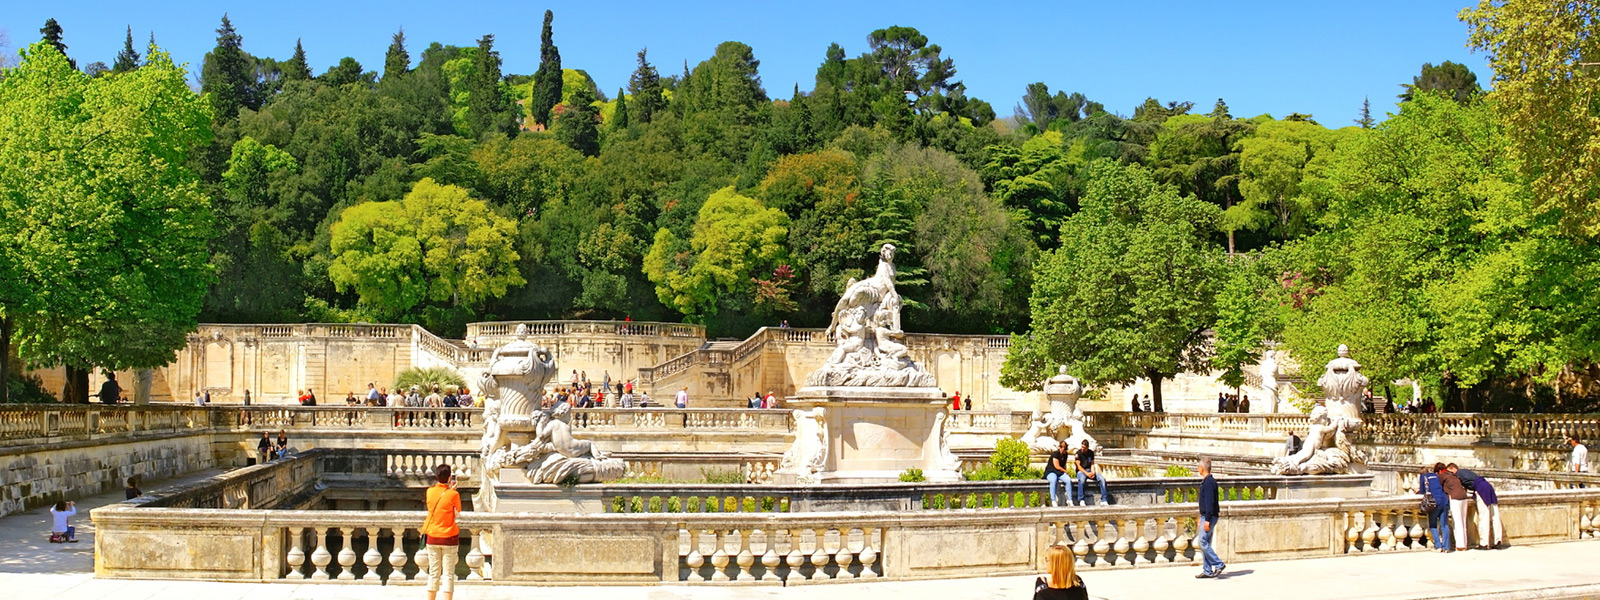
column 348, row 71
column 547, row 80
column 729, row 82
column 577, row 125
column 127, row 59
column 436, row 245
column 396, row 62
column 1365, row 121
column 645, row 86
column 258, row 281
column 1454, row 80
column 1247, row 318
column 296, row 69
column 1202, row 155
column 226, row 75
column 487, row 108
column 1273, row 165
column 736, row 241
column 1544, row 89
column 103, row 248
column 1131, row 291
column 52, row 35
column 619, row 118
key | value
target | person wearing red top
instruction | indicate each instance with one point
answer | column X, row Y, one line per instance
column 442, row 536
column 955, row 402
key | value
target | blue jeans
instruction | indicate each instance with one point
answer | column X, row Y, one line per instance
column 1439, row 526
column 1211, row 562
column 1083, row 488
column 1062, row 481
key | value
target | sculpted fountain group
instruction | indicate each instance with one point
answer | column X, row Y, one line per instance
column 870, row 413
column 1064, row 422
column 1328, row 447
column 524, row 447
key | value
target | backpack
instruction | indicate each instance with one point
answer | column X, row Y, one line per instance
column 1429, row 503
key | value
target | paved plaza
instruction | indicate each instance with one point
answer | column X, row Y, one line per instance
column 1563, row 570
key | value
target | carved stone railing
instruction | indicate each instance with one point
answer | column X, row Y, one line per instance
column 506, row 329
column 779, row 548
column 674, row 419
column 46, row 423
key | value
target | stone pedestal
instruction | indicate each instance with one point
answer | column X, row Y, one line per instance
column 511, row 492
column 873, row 434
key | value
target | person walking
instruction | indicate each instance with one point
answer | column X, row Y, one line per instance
column 61, row 529
column 1089, row 472
column 1292, row 445
column 955, row 401
column 1458, row 503
column 1580, row 455
column 1491, row 534
column 264, row 448
column 1439, row 515
column 683, row 397
column 1210, row 511
column 443, row 537
column 1063, row 582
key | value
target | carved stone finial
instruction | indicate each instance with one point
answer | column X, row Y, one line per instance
column 1344, row 351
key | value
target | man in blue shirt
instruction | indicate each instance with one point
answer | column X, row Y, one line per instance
column 1210, row 509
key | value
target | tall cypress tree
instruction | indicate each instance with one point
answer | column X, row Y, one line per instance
column 151, row 48
column 486, row 106
column 1365, row 121
column 397, row 61
column 619, row 119
column 52, row 34
column 296, row 69
column 127, row 59
column 645, row 83
column 547, row 80
column 226, row 76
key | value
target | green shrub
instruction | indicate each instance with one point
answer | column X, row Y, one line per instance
column 1179, row 471
column 427, row 377
column 912, row 476
column 1011, row 457
column 694, row 504
column 655, row 504
column 674, row 504
column 721, row 475
column 987, row 472
column 27, row 388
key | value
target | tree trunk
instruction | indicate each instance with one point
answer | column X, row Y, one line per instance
column 77, row 390
column 1155, row 391
column 5, row 359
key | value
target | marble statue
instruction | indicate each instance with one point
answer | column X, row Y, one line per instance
column 1269, row 377
column 809, row 452
column 1064, row 422
column 511, row 388
column 871, row 349
column 1328, row 447
column 555, row 456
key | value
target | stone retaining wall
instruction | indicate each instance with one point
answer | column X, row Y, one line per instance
column 36, row 476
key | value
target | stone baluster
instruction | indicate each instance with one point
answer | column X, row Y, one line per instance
column 1180, row 541
column 421, row 557
column 869, row 551
column 1161, row 543
column 844, row 556
column 719, row 558
column 1081, row 548
column 1386, row 537
column 320, row 557
column 1122, row 545
column 795, row 559
column 1586, row 521
column 1102, row 546
column 397, row 555
column 694, row 559
column 1369, row 535
column 372, row 558
column 296, row 556
column 744, row 559
column 1352, row 533
column 1419, row 530
column 1140, row 544
column 820, row 556
column 347, row 556
column 475, row 558
column 769, row 559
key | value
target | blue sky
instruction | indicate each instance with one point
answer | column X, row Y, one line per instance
column 1261, row 57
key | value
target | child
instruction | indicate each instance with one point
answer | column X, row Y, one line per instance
column 61, row 531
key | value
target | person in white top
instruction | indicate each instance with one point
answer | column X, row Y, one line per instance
column 61, row 530
column 683, row 397
column 1580, row 456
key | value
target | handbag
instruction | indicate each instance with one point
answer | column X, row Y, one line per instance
column 1429, row 503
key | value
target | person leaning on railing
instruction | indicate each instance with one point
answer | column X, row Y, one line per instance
column 442, row 536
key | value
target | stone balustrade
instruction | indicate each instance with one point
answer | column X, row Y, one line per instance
column 779, row 548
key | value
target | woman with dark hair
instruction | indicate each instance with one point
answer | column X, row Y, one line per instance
column 1063, row 582
column 61, row 529
column 1439, row 516
column 441, row 535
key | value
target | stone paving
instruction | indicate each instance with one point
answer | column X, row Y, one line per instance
column 1566, row 570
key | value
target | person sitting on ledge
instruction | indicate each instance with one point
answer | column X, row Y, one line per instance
column 1088, row 471
column 1063, row 582
column 1055, row 474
